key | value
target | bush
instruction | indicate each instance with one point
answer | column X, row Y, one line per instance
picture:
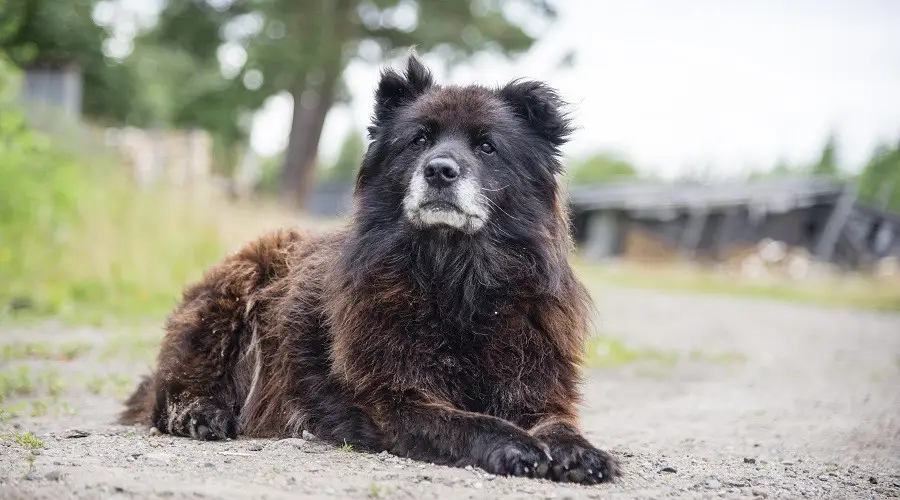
column 79, row 241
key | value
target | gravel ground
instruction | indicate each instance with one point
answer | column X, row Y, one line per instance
column 716, row 398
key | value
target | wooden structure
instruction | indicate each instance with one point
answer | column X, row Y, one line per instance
column 702, row 221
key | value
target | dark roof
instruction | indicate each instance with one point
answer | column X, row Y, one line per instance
column 773, row 195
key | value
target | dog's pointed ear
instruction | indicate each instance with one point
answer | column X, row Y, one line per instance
column 541, row 108
column 396, row 90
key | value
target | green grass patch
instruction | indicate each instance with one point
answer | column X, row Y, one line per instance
column 134, row 348
column 608, row 352
column 110, row 385
column 82, row 243
column 26, row 440
column 67, row 351
column 16, row 382
column 852, row 291
column 602, row 351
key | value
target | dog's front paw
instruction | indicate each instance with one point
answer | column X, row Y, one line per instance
column 205, row 421
column 522, row 457
column 577, row 461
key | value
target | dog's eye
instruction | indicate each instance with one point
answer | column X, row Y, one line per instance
column 486, row 148
column 420, row 140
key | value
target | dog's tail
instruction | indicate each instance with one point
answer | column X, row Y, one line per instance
column 139, row 404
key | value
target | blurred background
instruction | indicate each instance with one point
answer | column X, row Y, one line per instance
column 741, row 149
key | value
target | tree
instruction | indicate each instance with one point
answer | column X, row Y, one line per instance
column 827, row 165
column 63, row 32
column 602, row 167
column 879, row 182
column 302, row 48
column 348, row 160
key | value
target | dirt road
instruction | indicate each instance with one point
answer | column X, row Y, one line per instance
column 701, row 397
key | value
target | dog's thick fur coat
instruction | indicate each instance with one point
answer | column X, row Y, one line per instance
column 450, row 340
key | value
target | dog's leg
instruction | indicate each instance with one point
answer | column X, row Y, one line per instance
column 575, row 459
column 211, row 358
column 194, row 384
column 440, row 433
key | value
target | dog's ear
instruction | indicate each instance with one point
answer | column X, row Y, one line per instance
column 541, row 108
column 396, row 90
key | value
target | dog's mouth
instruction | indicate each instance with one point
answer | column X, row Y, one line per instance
column 441, row 206
column 442, row 213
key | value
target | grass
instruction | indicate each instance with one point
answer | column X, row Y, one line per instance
column 346, row 447
column 853, row 291
column 83, row 244
column 131, row 347
column 608, row 352
column 602, row 351
column 16, row 382
column 26, row 440
column 112, row 384
column 67, row 351
column 377, row 491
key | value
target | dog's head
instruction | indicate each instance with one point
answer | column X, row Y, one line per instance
column 466, row 159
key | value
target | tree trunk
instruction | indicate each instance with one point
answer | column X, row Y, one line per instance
column 298, row 172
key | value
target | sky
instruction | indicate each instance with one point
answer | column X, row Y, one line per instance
column 676, row 86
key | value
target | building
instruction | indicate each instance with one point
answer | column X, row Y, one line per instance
column 54, row 85
column 655, row 221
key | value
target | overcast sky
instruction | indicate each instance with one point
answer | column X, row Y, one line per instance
column 685, row 84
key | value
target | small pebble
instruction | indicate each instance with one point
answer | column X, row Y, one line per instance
column 713, row 483
column 75, row 433
column 255, row 447
column 155, row 432
column 749, row 460
column 873, row 480
column 823, row 477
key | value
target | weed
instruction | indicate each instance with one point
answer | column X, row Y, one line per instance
column 346, row 446
column 43, row 351
column 72, row 350
column 131, row 348
column 377, row 491
column 606, row 352
column 15, row 382
column 67, row 409
column 38, row 409
column 53, row 382
column 96, row 384
column 28, row 441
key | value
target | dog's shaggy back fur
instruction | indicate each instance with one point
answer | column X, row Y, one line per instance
column 458, row 347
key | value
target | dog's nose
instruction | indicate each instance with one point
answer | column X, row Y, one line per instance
column 441, row 172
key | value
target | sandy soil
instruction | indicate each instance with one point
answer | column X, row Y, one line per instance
column 765, row 400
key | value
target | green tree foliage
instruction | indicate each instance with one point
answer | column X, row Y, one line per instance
column 302, row 48
column 602, row 167
column 56, row 32
column 879, row 182
column 828, row 163
column 347, row 163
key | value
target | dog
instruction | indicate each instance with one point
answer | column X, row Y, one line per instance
column 443, row 323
